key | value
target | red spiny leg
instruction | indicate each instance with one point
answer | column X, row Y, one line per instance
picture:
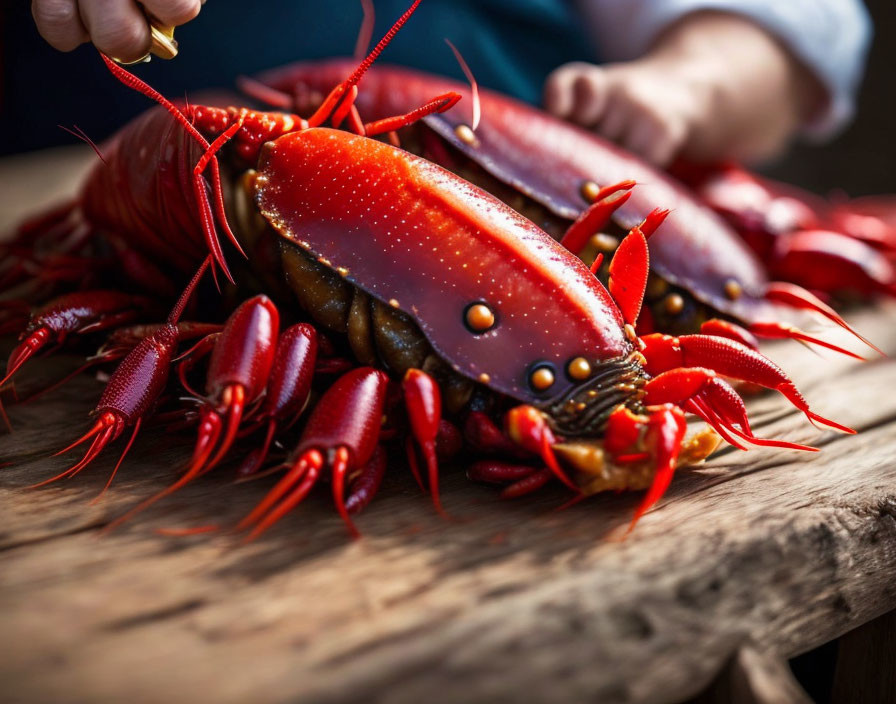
column 288, row 388
column 781, row 331
column 440, row 103
column 343, row 92
column 656, row 437
column 523, row 478
column 341, row 432
column 703, row 392
column 798, row 297
column 608, row 200
column 631, row 265
column 665, row 431
column 424, row 406
column 733, row 331
column 73, row 314
column 726, row 357
column 240, row 364
column 129, row 395
column 527, row 427
column 364, row 485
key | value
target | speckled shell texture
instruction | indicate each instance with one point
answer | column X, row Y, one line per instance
column 429, row 243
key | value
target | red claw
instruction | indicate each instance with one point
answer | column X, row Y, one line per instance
column 424, row 405
column 288, row 388
column 129, row 395
column 527, row 427
column 73, row 314
column 342, row 432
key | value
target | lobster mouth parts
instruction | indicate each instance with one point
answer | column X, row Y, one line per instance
column 583, row 410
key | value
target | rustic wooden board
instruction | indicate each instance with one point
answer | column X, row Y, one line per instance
column 781, row 550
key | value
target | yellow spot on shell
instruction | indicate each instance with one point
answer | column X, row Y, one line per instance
column 484, row 378
column 479, row 317
column 393, row 302
column 465, row 134
column 541, row 379
column 590, row 191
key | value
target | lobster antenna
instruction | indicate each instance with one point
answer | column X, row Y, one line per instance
column 131, row 81
column 82, row 135
column 344, row 89
column 365, row 34
column 474, row 86
column 177, row 311
column 382, row 44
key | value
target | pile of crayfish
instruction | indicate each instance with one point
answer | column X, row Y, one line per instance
column 418, row 279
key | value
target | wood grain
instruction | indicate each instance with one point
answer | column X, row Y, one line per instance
column 505, row 601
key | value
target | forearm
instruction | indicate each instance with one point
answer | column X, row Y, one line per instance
column 755, row 90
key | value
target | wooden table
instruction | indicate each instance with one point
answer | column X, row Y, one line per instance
column 753, row 556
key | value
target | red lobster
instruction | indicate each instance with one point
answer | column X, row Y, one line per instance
column 551, row 171
column 473, row 310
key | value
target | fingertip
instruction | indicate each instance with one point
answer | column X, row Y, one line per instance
column 59, row 24
column 173, row 12
column 557, row 91
column 590, row 93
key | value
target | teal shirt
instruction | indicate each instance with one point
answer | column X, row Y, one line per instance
column 510, row 45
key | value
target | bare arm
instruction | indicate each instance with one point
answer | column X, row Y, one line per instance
column 713, row 86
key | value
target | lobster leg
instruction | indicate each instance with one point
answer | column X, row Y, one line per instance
column 527, row 427
column 727, row 357
column 631, row 265
column 798, row 297
column 240, row 364
column 288, row 388
column 364, row 486
column 424, row 406
column 666, row 428
column 523, row 478
column 341, row 433
column 72, row 314
column 607, row 201
column 703, row 392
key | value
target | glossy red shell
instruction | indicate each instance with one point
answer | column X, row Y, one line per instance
column 428, row 242
column 549, row 160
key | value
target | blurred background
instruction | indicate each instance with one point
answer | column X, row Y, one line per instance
column 42, row 89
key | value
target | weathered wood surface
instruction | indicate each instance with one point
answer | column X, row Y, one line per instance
column 781, row 550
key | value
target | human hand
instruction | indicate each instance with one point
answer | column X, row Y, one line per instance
column 118, row 28
column 715, row 86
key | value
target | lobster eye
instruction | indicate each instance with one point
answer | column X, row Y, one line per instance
column 579, row 369
column 479, row 317
column 541, row 378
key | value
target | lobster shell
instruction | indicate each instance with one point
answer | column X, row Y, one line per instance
column 549, row 160
column 433, row 248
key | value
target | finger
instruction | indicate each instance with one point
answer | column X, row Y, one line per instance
column 590, row 96
column 642, row 135
column 172, row 12
column 558, row 96
column 616, row 119
column 669, row 144
column 59, row 23
column 118, row 29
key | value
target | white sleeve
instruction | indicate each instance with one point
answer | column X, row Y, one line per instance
column 831, row 37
